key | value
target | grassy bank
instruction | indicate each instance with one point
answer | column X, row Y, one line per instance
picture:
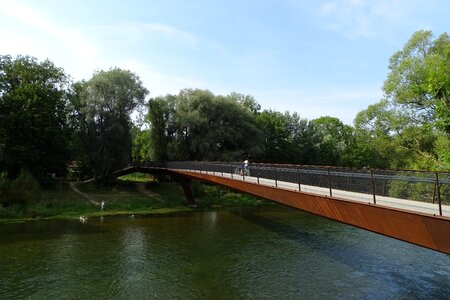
column 131, row 194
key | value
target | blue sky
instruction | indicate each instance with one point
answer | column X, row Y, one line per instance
column 315, row 58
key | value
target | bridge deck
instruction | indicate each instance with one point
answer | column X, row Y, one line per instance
column 414, row 206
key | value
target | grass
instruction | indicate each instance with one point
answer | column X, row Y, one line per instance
column 122, row 197
column 137, row 177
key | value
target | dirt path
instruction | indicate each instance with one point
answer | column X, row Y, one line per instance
column 141, row 188
column 74, row 188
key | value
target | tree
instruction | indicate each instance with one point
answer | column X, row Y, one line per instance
column 198, row 125
column 334, row 138
column 388, row 135
column 420, row 78
column 373, row 142
column 107, row 101
column 300, row 145
column 232, row 133
column 33, row 112
column 141, row 144
column 159, row 116
column 274, row 127
column 247, row 101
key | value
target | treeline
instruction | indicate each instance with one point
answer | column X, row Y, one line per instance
column 198, row 125
column 48, row 122
column 410, row 128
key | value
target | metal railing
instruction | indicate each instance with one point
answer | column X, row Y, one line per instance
column 429, row 189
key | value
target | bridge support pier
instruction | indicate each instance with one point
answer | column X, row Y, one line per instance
column 188, row 194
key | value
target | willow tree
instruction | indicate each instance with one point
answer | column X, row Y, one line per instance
column 108, row 100
column 198, row 125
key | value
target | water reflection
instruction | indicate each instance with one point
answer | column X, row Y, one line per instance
column 235, row 254
column 132, row 272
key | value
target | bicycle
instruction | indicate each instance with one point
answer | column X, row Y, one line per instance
column 242, row 171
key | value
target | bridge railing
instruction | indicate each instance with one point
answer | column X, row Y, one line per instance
column 429, row 189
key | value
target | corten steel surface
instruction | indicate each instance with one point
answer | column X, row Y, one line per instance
column 187, row 190
column 428, row 231
column 420, row 229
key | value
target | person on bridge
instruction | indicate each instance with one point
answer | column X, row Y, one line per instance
column 244, row 169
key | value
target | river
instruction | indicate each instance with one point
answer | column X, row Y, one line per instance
column 241, row 253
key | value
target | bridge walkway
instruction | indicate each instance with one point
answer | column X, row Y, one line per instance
column 411, row 205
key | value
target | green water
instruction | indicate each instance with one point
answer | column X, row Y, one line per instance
column 266, row 253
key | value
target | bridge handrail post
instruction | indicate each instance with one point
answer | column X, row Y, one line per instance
column 438, row 194
column 373, row 186
column 298, row 180
column 276, row 177
column 329, row 182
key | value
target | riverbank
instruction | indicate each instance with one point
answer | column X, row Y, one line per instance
column 127, row 196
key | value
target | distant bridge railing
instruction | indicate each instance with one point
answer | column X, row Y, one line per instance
column 409, row 185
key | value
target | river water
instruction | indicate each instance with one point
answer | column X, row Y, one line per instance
column 242, row 253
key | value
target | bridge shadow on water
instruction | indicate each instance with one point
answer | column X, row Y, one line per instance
column 384, row 260
column 308, row 238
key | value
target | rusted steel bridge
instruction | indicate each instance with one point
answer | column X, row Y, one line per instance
column 412, row 206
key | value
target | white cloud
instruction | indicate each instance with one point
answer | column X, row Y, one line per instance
column 28, row 31
column 367, row 18
column 140, row 32
column 36, row 21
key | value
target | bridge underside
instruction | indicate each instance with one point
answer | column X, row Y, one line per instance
column 428, row 231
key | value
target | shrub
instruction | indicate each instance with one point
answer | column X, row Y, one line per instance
column 23, row 190
column 4, row 189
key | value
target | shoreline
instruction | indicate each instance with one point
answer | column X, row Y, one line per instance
column 112, row 213
column 122, row 198
column 100, row 214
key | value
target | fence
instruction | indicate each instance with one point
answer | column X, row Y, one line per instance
column 426, row 191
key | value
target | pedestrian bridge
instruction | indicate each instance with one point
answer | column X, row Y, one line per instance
column 412, row 206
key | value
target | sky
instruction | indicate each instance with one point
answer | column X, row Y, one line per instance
column 316, row 58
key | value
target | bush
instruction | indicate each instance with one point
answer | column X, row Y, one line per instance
column 21, row 191
column 5, row 184
column 198, row 188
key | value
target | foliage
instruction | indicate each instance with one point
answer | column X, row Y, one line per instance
column 419, row 78
column 419, row 191
column 197, row 125
column 4, row 188
column 274, row 127
column 333, row 140
column 33, row 111
column 159, row 116
column 141, row 148
column 19, row 192
column 442, row 146
column 105, row 104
